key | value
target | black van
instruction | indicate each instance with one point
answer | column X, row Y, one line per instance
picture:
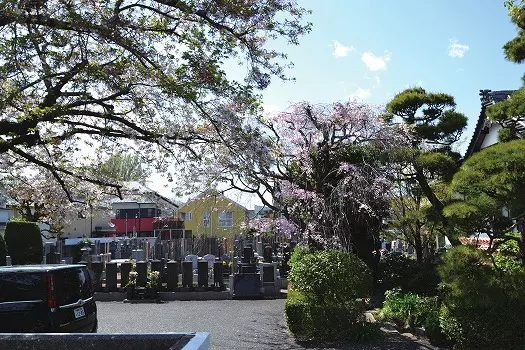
column 46, row 298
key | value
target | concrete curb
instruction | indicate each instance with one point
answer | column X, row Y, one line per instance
column 190, row 296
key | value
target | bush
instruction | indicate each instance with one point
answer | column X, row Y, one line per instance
column 328, row 322
column 326, row 302
column 482, row 307
column 402, row 308
column 24, row 243
column 331, row 277
column 507, row 258
column 395, row 270
column 3, row 251
column 298, row 253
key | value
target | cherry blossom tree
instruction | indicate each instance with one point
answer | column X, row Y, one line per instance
column 322, row 167
column 94, row 77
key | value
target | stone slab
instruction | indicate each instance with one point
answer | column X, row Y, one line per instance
column 129, row 341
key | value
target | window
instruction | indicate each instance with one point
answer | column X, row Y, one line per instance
column 206, row 219
column 226, row 219
column 186, row 216
column 22, row 287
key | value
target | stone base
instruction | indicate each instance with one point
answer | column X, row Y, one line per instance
column 111, row 296
column 189, row 296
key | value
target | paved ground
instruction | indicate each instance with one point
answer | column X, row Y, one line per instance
column 233, row 324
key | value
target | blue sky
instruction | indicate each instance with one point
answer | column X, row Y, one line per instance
column 373, row 49
column 385, row 46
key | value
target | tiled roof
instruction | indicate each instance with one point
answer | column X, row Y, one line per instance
column 488, row 98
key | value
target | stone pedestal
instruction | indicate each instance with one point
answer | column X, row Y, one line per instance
column 173, row 275
column 155, row 265
column 187, row 274
column 142, row 273
column 97, row 268
column 111, row 277
column 202, row 271
column 218, row 275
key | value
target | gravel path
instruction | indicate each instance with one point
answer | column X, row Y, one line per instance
column 233, row 324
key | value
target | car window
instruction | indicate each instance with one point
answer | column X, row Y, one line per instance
column 71, row 285
column 18, row 286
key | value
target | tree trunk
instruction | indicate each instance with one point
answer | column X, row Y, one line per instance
column 418, row 246
column 437, row 205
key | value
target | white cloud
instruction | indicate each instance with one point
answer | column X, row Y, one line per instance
column 340, row 50
column 377, row 79
column 375, row 63
column 360, row 94
column 457, row 50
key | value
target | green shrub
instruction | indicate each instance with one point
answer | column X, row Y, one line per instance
column 3, row 250
column 507, row 257
column 298, row 253
column 326, row 300
column 328, row 322
column 482, row 307
column 24, row 243
column 395, row 270
column 402, row 308
column 331, row 277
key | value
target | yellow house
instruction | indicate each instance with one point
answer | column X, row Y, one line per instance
column 213, row 214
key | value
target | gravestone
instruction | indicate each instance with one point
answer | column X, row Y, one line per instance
column 111, row 276
column 247, row 282
column 155, row 265
column 187, row 274
column 218, row 281
column 173, row 275
column 138, row 254
column 142, row 273
column 125, row 269
column 97, row 267
column 267, row 254
column 194, row 259
column 202, row 274
column 210, row 259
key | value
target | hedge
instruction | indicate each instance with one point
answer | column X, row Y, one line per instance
column 327, row 299
column 24, row 242
column 3, row 250
column 328, row 322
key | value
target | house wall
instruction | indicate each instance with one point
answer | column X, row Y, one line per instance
column 492, row 137
column 83, row 227
column 214, row 205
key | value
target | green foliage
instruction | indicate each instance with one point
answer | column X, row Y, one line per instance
column 490, row 180
column 477, row 301
column 24, row 242
column 3, row 250
column 326, row 301
column 437, row 121
column 154, row 279
column 409, row 310
column 437, row 163
column 328, row 322
column 402, row 308
column 507, row 257
column 123, row 167
column 331, row 277
column 395, row 270
column 507, row 134
column 298, row 253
